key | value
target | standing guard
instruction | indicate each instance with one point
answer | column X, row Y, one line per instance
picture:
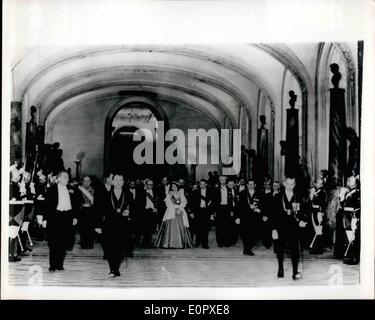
column 351, row 220
column 40, row 206
column 317, row 205
column 28, row 195
column 16, row 214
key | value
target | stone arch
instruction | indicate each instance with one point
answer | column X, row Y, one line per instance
column 322, row 82
column 128, row 101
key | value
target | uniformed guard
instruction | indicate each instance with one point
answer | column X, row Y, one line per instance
column 16, row 214
column 317, row 218
column 288, row 219
column 27, row 190
column 40, row 206
column 350, row 205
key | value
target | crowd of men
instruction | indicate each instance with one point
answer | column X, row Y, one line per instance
column 272, row 214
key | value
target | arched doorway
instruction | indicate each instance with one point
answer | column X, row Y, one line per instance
column 121, row 126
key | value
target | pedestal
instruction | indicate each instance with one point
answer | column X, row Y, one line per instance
column 337, row 139
column 262, row 145
column 292, row 142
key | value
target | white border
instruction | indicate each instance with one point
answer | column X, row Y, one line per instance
column 29, row 23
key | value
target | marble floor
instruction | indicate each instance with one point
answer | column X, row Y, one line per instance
column 216, row 267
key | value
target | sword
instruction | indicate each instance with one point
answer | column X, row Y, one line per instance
column 19, row 240
column 312, row 242
column 28, row 235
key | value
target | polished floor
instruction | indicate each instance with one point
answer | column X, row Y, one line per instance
column 216, row 267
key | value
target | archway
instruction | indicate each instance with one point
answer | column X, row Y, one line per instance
column 122, row 124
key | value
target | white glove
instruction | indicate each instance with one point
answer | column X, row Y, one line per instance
column 25, row 226
column 32, row 187
column 98, row 230
column 75, row 221
column 237, row 221
column 353, row 224
column 302, row 224
column 275, row 235
column 343, row 191
column 39, row 219
column 265, row 219
column 44, row 224
column 13, row 231
column 320, row 217
column 312, row 193
column 350, row 235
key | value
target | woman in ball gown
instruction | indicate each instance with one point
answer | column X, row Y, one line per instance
column 174, row 231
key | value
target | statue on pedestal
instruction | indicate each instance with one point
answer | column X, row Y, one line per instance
column 336, row 74
column 293, row 99
column 30, row 143
column 292, row 137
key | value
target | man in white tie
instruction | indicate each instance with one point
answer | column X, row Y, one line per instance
column 59, row 219
column 222, row 218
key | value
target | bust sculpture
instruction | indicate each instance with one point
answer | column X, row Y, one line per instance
column 293, row 99
column 336, row 75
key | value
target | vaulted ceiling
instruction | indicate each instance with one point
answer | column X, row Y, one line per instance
column 215, row 79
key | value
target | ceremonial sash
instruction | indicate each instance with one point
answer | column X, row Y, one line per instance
column 87, row 194
column 202, row 197
column 150, row 197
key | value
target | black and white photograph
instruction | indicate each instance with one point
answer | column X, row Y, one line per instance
column 186, row 165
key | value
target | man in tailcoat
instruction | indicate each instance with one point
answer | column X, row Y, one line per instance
column 288, row 219
column 249, row 217
column 201, row 208
column 60, row 217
